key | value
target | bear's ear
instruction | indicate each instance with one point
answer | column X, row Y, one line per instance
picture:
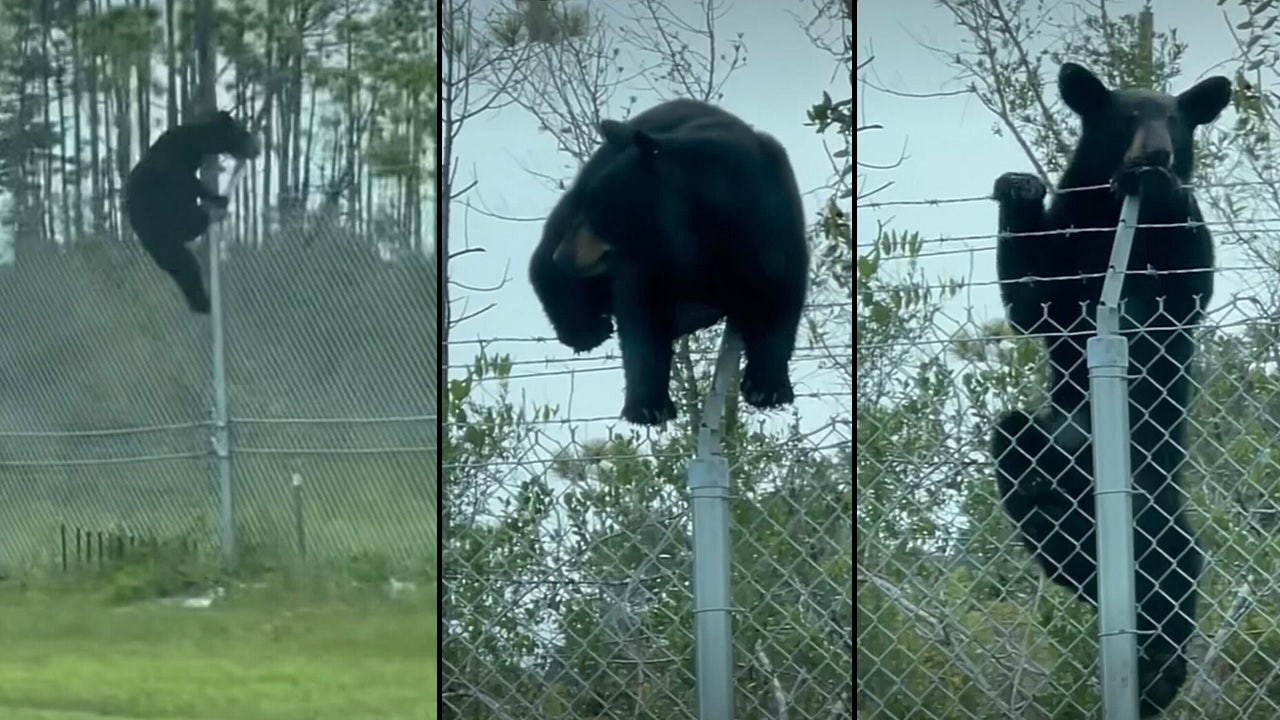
column 1203, row 102
column 622, row 137
column 1081, row 90
column 615, row 133
column 217, row 118
column 645, row 143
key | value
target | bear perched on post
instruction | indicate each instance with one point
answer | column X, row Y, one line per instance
column 1050, row 282
column 685, row 215
column 162, row 196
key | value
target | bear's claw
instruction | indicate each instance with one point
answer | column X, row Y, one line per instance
column 649, row 412
column 1014, row 187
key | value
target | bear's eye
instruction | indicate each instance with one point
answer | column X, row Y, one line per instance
column 1127, row 119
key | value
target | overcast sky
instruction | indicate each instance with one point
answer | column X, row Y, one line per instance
column 951, row 149
column 784, row 76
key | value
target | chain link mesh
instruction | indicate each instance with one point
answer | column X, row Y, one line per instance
column 956, row 620
column 569, row 556
column 105, row 424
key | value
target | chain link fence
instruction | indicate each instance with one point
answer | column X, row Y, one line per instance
column 105, row 417
column 569, row 557
column 956, row 620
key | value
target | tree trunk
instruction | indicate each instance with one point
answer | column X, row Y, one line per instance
column 97, row 200
column 171, row 63
column 108, row 177
column 305, row 161
column 142, row 91
column 45, row 191
column 124, row 119
column 206, row 101
column 64, row 171
column 350, row 89
column 77, row 97
column 272, row 51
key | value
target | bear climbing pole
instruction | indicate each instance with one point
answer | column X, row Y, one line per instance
column 1108, row 359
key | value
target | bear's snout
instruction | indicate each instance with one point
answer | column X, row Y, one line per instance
column 1151, row 146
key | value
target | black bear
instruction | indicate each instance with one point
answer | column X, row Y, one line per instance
column 162, row 195
column 685, row 215
column 1050, row 265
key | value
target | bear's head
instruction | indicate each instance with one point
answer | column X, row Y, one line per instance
column 222, row 134
column 1144, row 128
column 621, row 192
column 615, row 182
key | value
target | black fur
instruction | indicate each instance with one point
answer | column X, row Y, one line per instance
column 1044, row 461
column 162, row 196
column 702, row 219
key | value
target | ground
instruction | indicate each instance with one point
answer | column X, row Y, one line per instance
column 68, row 654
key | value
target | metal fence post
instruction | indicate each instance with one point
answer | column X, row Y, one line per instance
column 1108, row 359
column 708, row 479
column 221, row 413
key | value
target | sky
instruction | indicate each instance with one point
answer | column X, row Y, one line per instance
column 951, row 151
column 784, row 76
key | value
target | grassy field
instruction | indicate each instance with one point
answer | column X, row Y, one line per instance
column 259, row 654
column 349, row 507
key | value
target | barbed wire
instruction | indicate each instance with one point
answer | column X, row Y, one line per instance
column 1148, row 272
column 1084, row 332
column 925, row 202
column 524, row 463
column 1236, row 226
column 614, row 357
column 1250, row 225
column 455, row 342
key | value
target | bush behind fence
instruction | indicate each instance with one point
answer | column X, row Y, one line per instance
column 106, row 383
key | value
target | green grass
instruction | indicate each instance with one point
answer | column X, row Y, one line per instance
column 262, row 654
